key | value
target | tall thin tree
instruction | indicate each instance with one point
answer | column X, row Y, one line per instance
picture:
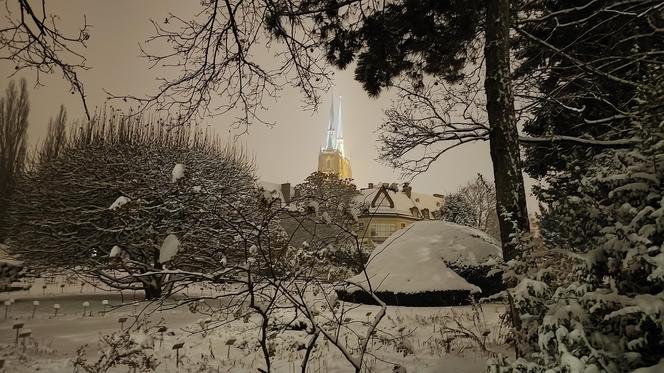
column 504, row 138
column 56, row 137
column 14, row 110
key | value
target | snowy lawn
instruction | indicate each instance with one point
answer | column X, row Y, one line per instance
column 421, row 339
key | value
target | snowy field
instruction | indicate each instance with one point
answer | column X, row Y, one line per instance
column 425, row 339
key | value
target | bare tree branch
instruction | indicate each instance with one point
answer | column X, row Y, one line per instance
column 34, row 41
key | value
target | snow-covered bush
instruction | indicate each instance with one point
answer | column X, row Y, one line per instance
column 611, row 317
column 430, row 263
column 121, row 182
column 134, row 351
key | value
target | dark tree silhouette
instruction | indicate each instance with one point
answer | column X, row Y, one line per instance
column 218, row 65
column 586, row 62
column 14, row 109
column 33, row 40
column 56, row 137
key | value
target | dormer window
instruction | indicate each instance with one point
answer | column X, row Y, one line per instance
column 381, row 196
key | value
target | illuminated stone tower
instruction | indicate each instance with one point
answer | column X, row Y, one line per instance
column 332, row 157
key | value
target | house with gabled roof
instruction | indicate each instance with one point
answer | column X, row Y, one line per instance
column 386, row 208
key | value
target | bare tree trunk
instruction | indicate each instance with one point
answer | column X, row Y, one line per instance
column 504, row 138
column 152, row 289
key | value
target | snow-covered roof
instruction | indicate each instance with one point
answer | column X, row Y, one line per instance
column 426, row 201
column 276, row 188
column 376, row 201
column 412, row 260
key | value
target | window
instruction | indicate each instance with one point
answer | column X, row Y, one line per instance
column 382, row 230
column 425, row 213
column 403, row 225
column 328, row 163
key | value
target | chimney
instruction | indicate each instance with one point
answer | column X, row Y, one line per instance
column 285, row 191
column 407, row 189
column 370, row 185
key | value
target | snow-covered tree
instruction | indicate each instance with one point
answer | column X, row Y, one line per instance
column 331, row 190
column 119, row 191
column 326, row 200
column 473, row 205
column 456, row 210
column 611, row 317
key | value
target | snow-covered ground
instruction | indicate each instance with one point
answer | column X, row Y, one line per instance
column 415, row 338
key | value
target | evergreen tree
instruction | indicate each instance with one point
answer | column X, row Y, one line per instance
column 329, row 190
column 611, row 317
column 457, row 210
column 586, row 60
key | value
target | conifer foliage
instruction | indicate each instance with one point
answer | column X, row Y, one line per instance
column 610, row 317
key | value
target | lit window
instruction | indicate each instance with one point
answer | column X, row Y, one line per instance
column 382, row 230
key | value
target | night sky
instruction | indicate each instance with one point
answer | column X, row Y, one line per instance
column 286, row 152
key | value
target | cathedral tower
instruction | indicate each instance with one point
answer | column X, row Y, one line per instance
column 332, row 157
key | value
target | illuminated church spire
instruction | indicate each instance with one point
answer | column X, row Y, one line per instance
column 332, row 157
column 331, row 142
column 340, row 136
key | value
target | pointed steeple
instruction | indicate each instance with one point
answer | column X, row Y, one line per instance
column 331, row 158
column 340, row 136
column 331, row 140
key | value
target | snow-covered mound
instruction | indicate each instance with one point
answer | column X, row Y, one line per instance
column 416, row 259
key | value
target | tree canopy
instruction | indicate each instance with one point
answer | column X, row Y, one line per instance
column 124, row 182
